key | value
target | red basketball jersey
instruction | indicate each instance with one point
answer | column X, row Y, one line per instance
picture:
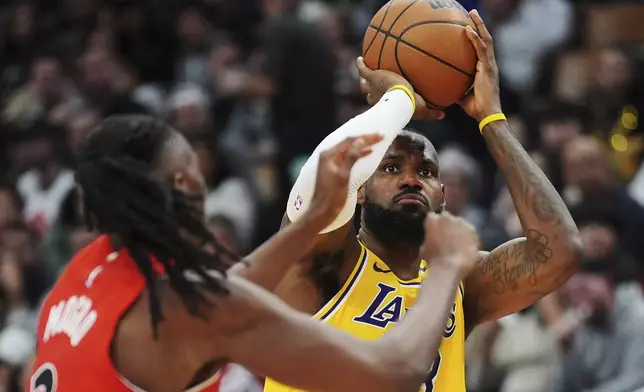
column 79, row 318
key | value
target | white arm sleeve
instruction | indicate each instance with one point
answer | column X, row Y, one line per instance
column 387, row 117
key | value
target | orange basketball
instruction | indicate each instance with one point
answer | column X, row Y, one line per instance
column 424, row 41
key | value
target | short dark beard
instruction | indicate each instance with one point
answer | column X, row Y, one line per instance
column 394, row 229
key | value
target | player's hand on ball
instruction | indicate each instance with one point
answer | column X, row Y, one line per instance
column 376, row 83
column 334, row 169
column 484, row 100
column 450, row 242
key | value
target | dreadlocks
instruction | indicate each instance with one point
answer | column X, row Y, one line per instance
column 123, row 198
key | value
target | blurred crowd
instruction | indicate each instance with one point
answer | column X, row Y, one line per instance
column 255, row 85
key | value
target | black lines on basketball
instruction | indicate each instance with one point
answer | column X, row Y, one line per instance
column 421, row 50
column 401, row 14
column 427, row 22
column 427, row 45
column 401, row 71
column 400, row 68
column 440, row 60
column 382, row 21
column 448, row 22
column 388, row 32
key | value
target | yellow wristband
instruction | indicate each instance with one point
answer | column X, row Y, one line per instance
column 408, row 92
column 491, row 118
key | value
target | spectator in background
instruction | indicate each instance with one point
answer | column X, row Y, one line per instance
column 25, row 277
column 194, row 48
column 46, row 95
column 514, row 23
column 331, row 22
column 590, row 178
column 615, row 89
column 228, row 77
column 557, row 122
column 189, row 110
column 79, row 127
column 46, row 182
column 25, row 374
column 460, row 174
column 586, row 168
column 151, row 97
column 607, row 349
column 553, row 124
column 105, row 85
column 227, row 196
column 11, row 205
column 16, row 47
column 303, row 107
column 515, row 353
column 636, row 186
column 148, row 49
column 600, row 227
column 16, row 347
column 15, row 311
column 616, row 107
column 67, row 236
column 503, row 223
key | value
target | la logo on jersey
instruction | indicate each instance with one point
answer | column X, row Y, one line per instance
column 73, row 317
column 381, row 313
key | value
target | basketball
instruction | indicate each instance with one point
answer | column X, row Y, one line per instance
column 425, row 42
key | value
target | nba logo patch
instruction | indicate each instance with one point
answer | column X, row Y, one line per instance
column 298, row 202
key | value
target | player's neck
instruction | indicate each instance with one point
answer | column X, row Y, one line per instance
column 404, row 261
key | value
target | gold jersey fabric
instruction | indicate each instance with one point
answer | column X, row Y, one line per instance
column 373, row 299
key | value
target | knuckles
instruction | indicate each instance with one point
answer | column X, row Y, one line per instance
column 324, row 155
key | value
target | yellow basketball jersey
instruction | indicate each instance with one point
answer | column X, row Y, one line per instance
column 373, row 299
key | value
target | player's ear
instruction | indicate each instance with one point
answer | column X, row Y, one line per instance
column 443, row 201
column 180, row 181
column 361, row 196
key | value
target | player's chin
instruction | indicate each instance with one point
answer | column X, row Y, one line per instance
column 413, row 209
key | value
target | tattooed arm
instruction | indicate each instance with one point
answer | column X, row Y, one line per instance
column 522, row 271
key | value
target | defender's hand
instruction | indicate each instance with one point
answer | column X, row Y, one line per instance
column 484, row 100
column 334, row 169
column 450, row 242
column 376, row 83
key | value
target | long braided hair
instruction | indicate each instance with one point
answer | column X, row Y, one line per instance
column 123, row 198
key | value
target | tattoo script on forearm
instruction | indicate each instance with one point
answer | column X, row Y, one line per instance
column 512, row 267
column 523, row 271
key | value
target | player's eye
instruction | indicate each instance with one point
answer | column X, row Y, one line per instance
column 426, row 173
column 390, row 168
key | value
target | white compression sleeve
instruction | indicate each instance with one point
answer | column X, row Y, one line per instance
column 387, row 117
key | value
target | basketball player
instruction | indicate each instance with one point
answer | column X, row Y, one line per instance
column 365, row 285
column 142, row 189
